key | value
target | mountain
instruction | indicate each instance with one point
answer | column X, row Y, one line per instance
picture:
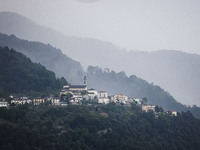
column 95, row 127
column 81, row 49
column 50, row 57
column 18, row 74
column 175, row 71
column 112, row 82
column 108, row 55
column 135, row 87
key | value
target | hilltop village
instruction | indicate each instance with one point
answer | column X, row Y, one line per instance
column 79, row 94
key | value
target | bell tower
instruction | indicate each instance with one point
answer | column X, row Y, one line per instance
column 85, row 81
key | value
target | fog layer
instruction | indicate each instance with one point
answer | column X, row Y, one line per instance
column 175, row 71
column 133, row 24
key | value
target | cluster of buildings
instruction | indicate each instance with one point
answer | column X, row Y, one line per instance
column 3, row 102
column 48, row 100
column 21, row 101
column 75, row 94
column 25, row 100
column 80, row 92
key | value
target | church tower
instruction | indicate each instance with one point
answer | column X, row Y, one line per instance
column 85, row 81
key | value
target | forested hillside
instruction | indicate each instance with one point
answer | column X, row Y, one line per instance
column 48, row 56
column 133, row 86
column 95, row 127
column 18, row 74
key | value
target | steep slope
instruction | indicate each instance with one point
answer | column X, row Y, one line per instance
column 18, row 74
column 175, row 71
column 133, row 86
column 111, row 82
column 52, row 58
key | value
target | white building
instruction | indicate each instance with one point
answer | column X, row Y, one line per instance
column 106, row 70
column 147, row 108
column 75, row 90
column 87, row 97
column 63, row 104
column 119, row 98
column 76, row 98
column 103, row 100
column 92, row 93
column 3, row 102
column 102, row 94
column 55, row 101
column 103, row 97
column 21, row 101
column 137, row 100
column 174, row 113
column 130, row 100
column 38, row 101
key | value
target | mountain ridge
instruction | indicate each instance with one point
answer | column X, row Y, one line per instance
column 99, row 53
column 112, row 82
column 52, row 58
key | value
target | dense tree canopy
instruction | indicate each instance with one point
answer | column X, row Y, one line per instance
column 97, row 127
column 18, row 74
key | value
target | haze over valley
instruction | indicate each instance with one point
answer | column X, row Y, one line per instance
column 170, row 69
column 147, row 25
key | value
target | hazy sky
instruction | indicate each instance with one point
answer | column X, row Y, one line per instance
column 132, row 24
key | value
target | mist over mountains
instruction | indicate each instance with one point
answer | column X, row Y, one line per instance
column 50, row 57
column 99, row 75
column 99, row 79
column 62, row 65
column 175, row 71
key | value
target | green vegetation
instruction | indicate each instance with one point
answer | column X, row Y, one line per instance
column 159, row 109
column 66, row 98
column 96, row 127
column 19, row 75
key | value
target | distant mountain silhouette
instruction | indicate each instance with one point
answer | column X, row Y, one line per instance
column 52, row 58
column 110, row 81
column 175, row 71
column 133, row 86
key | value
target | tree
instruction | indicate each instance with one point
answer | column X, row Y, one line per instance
column 68, row 97
column 84, row 92
column 144, row 100
column 159, row 109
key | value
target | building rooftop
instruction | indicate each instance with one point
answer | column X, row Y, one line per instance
column 102, row 92
column 77, row 86
column 91, row 89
